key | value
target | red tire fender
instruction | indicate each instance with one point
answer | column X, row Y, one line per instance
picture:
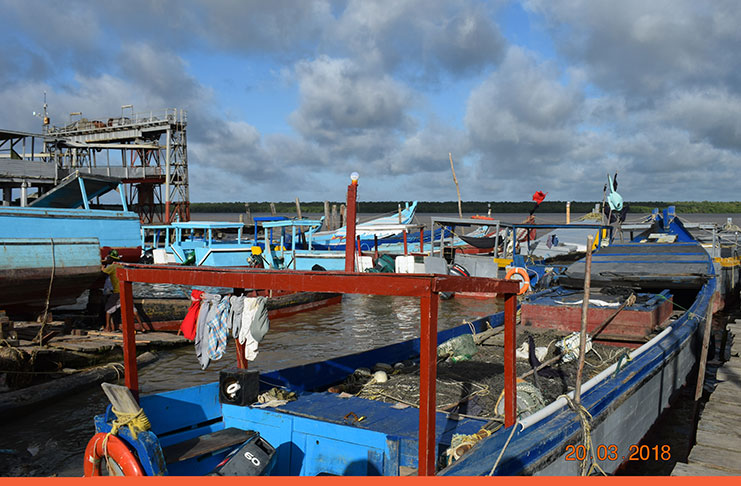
column 519, row 274
column 115, row 449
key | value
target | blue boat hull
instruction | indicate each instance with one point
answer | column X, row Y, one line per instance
column 113, row 229
column 29, row 265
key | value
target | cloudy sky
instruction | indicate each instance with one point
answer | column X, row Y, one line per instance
column 286, row 98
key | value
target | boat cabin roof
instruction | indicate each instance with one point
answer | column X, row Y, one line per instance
column 77, row 190
column 207, row 225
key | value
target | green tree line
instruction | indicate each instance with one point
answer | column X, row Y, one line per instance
column 480, row 207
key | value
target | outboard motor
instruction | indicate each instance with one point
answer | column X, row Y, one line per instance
column 256, row 457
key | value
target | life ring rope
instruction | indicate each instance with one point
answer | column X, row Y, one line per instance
column 111, row 448
column 519, row 274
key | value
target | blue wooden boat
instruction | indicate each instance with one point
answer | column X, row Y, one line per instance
column 66, row 212
column 32, row 268
column 324, row 433
column 335, row 240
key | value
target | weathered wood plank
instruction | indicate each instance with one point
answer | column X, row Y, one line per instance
column 727, row 373
column 205, row 444
column 719, row 441
column 719, row 424
column 727, row 387
column 721, row 459
column 682, row 469
column 714, row 407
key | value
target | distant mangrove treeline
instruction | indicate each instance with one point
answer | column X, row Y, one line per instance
column 480, row 207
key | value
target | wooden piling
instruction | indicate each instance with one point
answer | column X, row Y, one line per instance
column 584, row 314
column 272, row 209
column 298, row 208
column 327, row 220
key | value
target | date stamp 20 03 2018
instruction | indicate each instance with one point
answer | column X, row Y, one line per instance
column 612, row 453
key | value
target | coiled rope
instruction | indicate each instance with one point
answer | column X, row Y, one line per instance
column 136, row 422
column 586, row 419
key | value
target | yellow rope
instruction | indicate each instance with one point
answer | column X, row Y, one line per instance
column 585, row 418
column 136, row 422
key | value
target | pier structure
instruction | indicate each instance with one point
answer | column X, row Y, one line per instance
column 145, row 151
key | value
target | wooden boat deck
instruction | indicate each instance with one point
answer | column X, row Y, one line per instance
column 716, row 452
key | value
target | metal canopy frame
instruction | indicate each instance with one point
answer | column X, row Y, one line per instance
column 426, row 287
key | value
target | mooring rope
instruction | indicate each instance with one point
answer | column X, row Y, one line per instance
column 501, row 453
column 585, row 418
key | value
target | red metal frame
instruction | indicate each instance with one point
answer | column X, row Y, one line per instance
column 426, row 287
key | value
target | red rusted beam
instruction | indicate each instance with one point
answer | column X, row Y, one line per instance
column 292, row 280
column 422, row 239
column 427, row 384
column 510, row 371
column 405, row 242
column 352, row 197
column 426, row 287
column 375, row 245
column 128, row 331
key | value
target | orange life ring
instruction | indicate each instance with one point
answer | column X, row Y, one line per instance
column 113, row 449
column 519, row 274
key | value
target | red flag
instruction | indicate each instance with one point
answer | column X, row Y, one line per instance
column 539, row 196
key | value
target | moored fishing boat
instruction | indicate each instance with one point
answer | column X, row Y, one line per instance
column 325, row 433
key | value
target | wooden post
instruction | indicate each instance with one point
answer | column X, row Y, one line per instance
column 128, row 331
column 352, row 197
column 272, row 209
column 568, row 212
column 399, row 213
column 701, row 368
column 510, row 365
column 584, row 314
column 298, row 208
column 334, row 224
column 457, row 189
column 704, row 352
column 343, row 210
column 427, row 384
column 327, row 220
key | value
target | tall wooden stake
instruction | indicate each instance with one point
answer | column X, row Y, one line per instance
column 584, row 313
column 704, row 352
column 701, row 368
column 298, row 208
column 352, row 197
column 455, row 179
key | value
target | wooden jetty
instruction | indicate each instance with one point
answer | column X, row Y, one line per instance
column 717, row 449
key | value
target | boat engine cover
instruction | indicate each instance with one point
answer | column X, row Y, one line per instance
column 256, row 457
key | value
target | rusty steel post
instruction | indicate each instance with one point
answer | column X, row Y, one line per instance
column 129, row 338
column 405, row 242
column 422, row 240
column 427, row 384
column 510, row 369
column 352, row 198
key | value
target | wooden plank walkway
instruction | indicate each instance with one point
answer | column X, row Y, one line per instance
column 100, row 341
column 718, row 446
